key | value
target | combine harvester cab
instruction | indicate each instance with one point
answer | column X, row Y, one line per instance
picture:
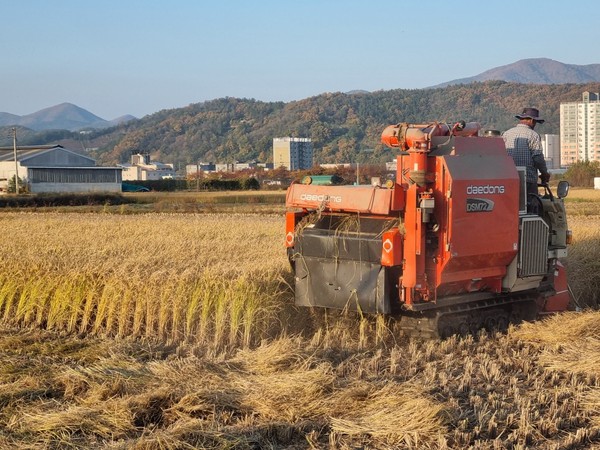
column 451, row 246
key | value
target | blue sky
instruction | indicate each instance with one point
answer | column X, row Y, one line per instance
column 117, row 57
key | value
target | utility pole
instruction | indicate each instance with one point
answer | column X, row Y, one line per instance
column 198, row 176
column 16, row 162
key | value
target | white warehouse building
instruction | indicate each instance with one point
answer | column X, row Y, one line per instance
column 53, row 168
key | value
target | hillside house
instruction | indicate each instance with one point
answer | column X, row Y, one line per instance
column 53, row 168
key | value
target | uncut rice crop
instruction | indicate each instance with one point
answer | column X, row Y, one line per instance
column 212, row 279
column 583, row 260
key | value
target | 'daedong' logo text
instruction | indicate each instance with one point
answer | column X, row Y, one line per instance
column 485, row 189
column 321, row 198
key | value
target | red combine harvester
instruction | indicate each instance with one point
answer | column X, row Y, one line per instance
column 452, row 246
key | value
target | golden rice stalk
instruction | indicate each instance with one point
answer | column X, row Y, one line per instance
column 33, row 300
column 395, row 413
column 581, row 356
column 112, row 421
column 307, row 220
column 591, row 404
column 560, row 329
column 188, row 434
column 583, row 261
column 191, row 374
column 108, row 302
column 283, row 354
column 105, row 379
column 570, row 342
column 9, row 292
column 290, row 396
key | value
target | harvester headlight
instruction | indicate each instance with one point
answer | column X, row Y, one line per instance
column 569, row 236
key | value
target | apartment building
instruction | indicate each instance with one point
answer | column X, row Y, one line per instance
column 292, row 153
column 580, row 130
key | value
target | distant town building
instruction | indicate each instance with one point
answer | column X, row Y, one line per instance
column 192, row 169
column 225, row 167
column 55, row 169
column 292, row 153
column 244, row 166
column 551, row 149
column 580, row 130
column 337, row 166
column 141, row 168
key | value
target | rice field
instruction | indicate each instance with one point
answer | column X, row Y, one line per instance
column 175, row 278
column 178, row 331
column 583, row 262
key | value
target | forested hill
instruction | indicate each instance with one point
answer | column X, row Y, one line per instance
column 340, row 125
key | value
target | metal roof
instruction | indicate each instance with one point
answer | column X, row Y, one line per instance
column 32, row 147
column 74, row 167
column 25, row 152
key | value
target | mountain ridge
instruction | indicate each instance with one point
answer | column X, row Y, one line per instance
column 67, row 116
column 535, row 71
column 64, row 116
column 339, row 124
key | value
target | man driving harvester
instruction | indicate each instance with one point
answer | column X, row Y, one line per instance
column 524, row 145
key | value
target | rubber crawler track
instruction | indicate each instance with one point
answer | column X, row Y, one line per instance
column 494, row 314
